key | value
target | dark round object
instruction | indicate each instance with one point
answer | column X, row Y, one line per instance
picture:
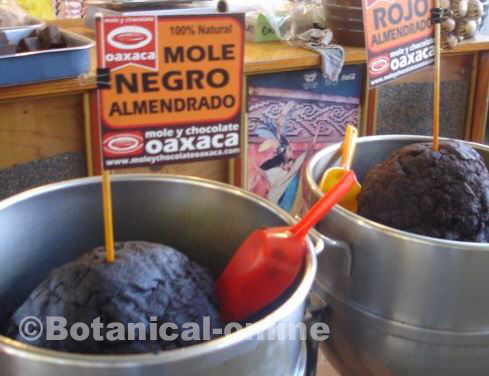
column 222, row 6
column 441, row 194
column 148, row 283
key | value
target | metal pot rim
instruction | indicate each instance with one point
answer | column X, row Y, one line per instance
column 20, row 350
column 358, row 220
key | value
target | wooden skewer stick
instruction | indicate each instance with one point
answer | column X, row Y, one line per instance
column 108, row 222
column 436, row 87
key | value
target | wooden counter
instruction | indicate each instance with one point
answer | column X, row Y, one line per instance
column 260, row 58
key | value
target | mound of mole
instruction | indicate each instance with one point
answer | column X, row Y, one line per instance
column 441, row 194
column 148, row 284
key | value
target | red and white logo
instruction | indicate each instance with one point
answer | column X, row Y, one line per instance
column 379, row 65
column 129, row 37
column 130, row 40
column 123, row 144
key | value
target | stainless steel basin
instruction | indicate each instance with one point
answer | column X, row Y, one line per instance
column 400, row 303
column 46, row 227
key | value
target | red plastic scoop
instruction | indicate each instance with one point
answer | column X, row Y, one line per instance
column 269, row 260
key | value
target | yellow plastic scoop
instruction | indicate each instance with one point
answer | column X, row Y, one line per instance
column 334, row 174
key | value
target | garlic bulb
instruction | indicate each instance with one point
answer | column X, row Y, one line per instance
column 460, row 8
column 475, row 9
column 466, row 28
column 449, row 24
column 450, row 41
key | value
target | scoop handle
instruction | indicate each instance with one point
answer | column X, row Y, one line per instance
column 348, row 148
column 324, row 205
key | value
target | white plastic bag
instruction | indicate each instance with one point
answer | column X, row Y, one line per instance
column 70, row 8
column 11, row 14
column 293, row 18
column 302, row 23
column 288, row 18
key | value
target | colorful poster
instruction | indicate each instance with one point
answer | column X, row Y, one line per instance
column 398, row 36
column 173, row 88
column 292, row 115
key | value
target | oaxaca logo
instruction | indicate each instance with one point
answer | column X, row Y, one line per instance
column 123, row 144
column 379, row 65
column 133, row 42
column 129, row 37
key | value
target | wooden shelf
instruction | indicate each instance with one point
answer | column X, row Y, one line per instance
column 259, row 58
column 279, row 56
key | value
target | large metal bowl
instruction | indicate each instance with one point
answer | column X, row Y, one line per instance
column 47, row 227
column 400, row 303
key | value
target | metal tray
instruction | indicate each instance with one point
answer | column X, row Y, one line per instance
column 33, row 23
column 32, row 67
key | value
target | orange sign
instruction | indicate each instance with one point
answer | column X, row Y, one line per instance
column 399, row 38
column 168, row 77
